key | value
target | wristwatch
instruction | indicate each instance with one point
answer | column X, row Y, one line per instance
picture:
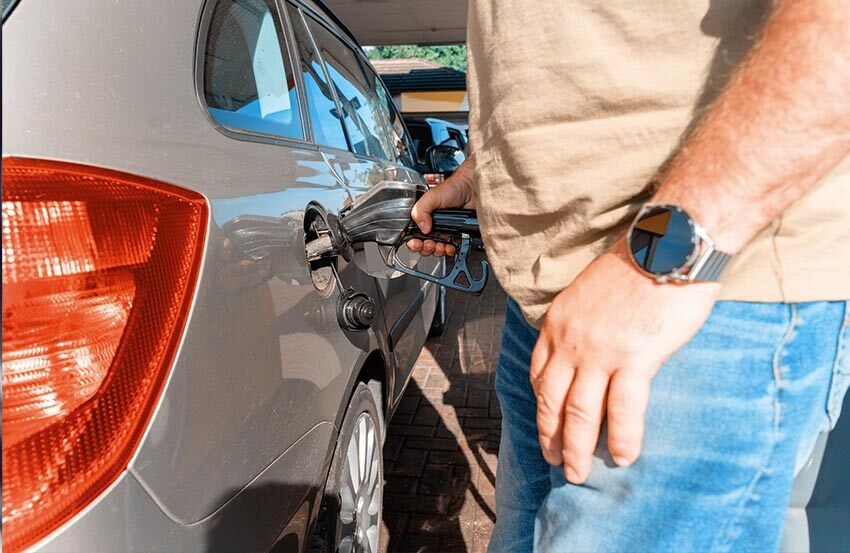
column 667, row 244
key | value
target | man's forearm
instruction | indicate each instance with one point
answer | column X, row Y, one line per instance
column 465, row 174
column 780, row 124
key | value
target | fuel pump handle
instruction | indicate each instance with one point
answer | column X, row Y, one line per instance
column 451, row 226
column 453, row 222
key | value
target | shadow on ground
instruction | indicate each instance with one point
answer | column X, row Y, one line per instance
column 441, row 446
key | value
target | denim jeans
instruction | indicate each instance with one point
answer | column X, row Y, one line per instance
column 732, row 417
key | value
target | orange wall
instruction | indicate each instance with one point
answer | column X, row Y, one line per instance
column 454, row 100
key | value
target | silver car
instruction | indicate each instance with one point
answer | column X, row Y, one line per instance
column 176, row 375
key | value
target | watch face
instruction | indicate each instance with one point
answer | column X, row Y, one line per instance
column 662, row 240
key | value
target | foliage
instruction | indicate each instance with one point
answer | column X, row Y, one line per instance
column 453, row 55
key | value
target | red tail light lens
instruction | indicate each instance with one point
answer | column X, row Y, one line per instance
column 99, row 270
column 433, row 179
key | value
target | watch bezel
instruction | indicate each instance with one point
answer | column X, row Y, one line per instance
column 680, row 273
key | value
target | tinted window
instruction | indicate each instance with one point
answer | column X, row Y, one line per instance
column 362, row 112
column 455, row 139
column 248, row 82
column 327, row 127
column 421, row 134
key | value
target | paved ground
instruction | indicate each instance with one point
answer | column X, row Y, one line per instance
column 440, row 452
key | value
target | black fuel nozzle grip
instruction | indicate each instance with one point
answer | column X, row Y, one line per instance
column 454, row 222
column 450, row 226
column 460, row 268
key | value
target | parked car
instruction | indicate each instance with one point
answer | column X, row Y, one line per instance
column 176, row 375
column 430, row 132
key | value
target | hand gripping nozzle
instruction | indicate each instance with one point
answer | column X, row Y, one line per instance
column 458, row 227
column 382, row 216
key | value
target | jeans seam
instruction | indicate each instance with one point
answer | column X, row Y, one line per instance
column 728, row 531
column 838, row 376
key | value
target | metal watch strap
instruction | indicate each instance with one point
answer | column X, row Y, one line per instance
column 712, row 267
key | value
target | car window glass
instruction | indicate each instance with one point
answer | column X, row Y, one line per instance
column 324, row 119
column 455, row 139
column 361, row 109
column 421, row 134
column 248, row 82
column 403, row 148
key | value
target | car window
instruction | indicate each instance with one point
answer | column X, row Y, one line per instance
column 422, row 139
column 324, row 119
column 403, row 148
column 361, row 108
column 248, row 83
column 455, row 139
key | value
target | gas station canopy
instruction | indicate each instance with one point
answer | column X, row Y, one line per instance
column 385, row 22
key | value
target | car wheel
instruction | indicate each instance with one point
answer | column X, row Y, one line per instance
column 350, row 516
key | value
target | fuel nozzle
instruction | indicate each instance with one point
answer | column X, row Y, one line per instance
column 381, row 217
column 326, row 237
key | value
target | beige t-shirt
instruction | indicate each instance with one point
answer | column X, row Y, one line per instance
column 574, row 105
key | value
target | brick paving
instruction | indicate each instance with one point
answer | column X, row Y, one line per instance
column 440, row 451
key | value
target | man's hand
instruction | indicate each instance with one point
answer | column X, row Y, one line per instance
column 604, row 338
column 772, row 134
column 457, row 191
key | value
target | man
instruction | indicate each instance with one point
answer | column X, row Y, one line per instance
column 672, row 420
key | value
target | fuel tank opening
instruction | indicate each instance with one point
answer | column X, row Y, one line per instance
column 318, row 245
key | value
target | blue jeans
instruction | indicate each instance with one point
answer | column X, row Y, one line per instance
column 732, row 417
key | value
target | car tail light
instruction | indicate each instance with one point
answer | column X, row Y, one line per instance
column 99, row 270
column 433, row 179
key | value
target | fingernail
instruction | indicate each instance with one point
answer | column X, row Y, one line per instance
column 622, row 461
column 571, row 474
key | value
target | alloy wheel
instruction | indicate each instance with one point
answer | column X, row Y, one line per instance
column 360, row 490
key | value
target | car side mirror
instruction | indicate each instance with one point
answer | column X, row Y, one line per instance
column 444, row 159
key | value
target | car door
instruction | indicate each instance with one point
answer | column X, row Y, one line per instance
column 378, row 149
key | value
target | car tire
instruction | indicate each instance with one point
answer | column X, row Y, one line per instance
column 349, row 518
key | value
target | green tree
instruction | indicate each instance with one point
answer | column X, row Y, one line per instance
column 453, row 55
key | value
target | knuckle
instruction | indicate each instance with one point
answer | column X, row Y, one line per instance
column 547, row 405
column 578, row 413
column 597, row 339
column 556, row 316
column 536, row 377
column 622, row 402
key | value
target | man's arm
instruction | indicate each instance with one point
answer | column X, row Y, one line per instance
column 779, row 125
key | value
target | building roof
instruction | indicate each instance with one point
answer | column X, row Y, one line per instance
column 418, row 75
